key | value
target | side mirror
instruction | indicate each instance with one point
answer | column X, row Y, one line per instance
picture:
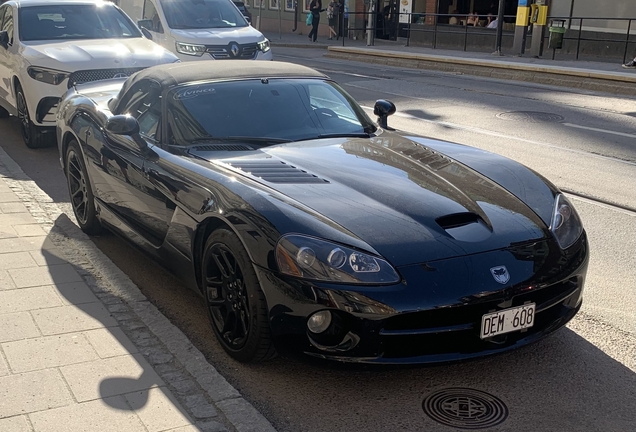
column 145, row 24
column 383, row 109
column 4, row 39
column 122, row 125
column 126, row 126
column 146, row 33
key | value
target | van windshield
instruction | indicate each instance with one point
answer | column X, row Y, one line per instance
column 74, row 21
column 202, row 14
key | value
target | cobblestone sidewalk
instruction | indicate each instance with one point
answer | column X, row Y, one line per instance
column 81, row 349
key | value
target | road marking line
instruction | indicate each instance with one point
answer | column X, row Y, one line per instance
column 498, row 135
column 599, row 130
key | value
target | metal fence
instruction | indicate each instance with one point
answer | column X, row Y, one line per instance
column 430, row 23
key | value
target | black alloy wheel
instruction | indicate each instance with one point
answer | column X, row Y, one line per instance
column 80, row 191
column 236, row 305
column 33, row 136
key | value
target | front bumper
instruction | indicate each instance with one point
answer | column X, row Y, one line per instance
column 259, row 56
column 42, row 100
column 435, row 314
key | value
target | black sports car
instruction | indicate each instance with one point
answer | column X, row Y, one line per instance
column 304, row 224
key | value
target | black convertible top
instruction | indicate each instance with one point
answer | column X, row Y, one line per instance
column 170, row 75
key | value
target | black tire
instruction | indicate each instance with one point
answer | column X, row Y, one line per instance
column 34, row 136
column 80, row 191
column 235, row 302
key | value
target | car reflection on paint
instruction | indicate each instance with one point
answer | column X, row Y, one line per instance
column 305, row 225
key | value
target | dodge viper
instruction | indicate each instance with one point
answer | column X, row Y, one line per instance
column 304, row 224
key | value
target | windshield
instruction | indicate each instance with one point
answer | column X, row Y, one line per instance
column 202, row 14
column 63, row 22
column 278, row 109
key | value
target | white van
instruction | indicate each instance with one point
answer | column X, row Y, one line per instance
column 199, row 29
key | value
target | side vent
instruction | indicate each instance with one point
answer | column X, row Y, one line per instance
column 276, row 171
column 223, row 147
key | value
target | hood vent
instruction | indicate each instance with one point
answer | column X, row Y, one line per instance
column 457, row 220
column 276, row 171
column 468, row 227
column 223, row 147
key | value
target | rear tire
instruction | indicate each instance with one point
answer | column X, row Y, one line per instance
column 34, row 136
column 80, row 191
column 235, row 302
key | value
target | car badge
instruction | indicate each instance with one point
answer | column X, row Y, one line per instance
column 234, row 49
column 500, row 274
column 120, row 75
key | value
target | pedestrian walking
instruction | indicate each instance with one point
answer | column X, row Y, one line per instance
column 331, row 17
column 315, row 7
column 631, row 64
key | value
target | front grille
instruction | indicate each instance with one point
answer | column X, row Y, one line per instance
column 456, row 330
column 277, row 172
column 224, row 52
column 85, row 76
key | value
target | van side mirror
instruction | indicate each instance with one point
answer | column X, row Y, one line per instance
column 146, row 24
column 146, row 33
column 4, row 39
column 383, row 109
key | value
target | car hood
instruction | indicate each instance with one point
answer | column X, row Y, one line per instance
column 71, row 56
column 218, row 36
column 409, row 203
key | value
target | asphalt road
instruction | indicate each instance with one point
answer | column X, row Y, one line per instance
column 583, row 378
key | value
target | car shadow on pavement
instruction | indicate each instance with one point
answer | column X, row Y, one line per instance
column 120, row 372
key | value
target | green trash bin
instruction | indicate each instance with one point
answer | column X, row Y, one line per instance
column 557, row 31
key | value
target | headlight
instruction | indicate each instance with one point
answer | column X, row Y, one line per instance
column 190, row 49
column 316, row 259
column 264, row 45
column 49, row 76
column 566, row 225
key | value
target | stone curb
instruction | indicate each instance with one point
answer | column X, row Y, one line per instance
column 576, row 72
column 165, row 346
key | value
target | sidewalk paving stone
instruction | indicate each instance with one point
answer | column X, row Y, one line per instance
column 75, row 293
column 7, row 232
column 4, row 369
column 16, row 219
column 19, row 300
column 110, row 377
column 39, row 276
column 16, row 260
column 29, row 230
column 67, row 319
column 17, row 326
column 157, row 410
column 110, row 415
column 6, row 197
column 111, row 342
column 47, row 258
column 14, row 424
column 23, row 244
column 48, row 352
column 13, row 207
column 6, row 282
column 31, row 392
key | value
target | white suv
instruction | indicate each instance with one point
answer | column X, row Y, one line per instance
column 47, row 46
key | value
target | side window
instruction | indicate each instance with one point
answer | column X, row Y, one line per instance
column 150, row 13
column 7, row 24
column 144, row 103
column 2, row 11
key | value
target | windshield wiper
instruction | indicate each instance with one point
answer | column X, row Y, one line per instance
column 245, row 139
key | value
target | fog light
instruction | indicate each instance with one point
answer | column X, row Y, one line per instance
column 319, row 322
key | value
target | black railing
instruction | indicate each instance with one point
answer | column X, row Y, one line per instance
column 624, row 38
column 430, row 23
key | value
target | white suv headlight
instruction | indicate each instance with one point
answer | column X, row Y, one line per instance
column 566, row 224
column 264, row 45
column 190, row 49
column 49, row 76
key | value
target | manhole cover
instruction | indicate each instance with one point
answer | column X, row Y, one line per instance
column 465, row 408
column 531, row 117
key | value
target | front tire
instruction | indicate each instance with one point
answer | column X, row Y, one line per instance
column 80, row 191
column 34, row 136
column 235, row 302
